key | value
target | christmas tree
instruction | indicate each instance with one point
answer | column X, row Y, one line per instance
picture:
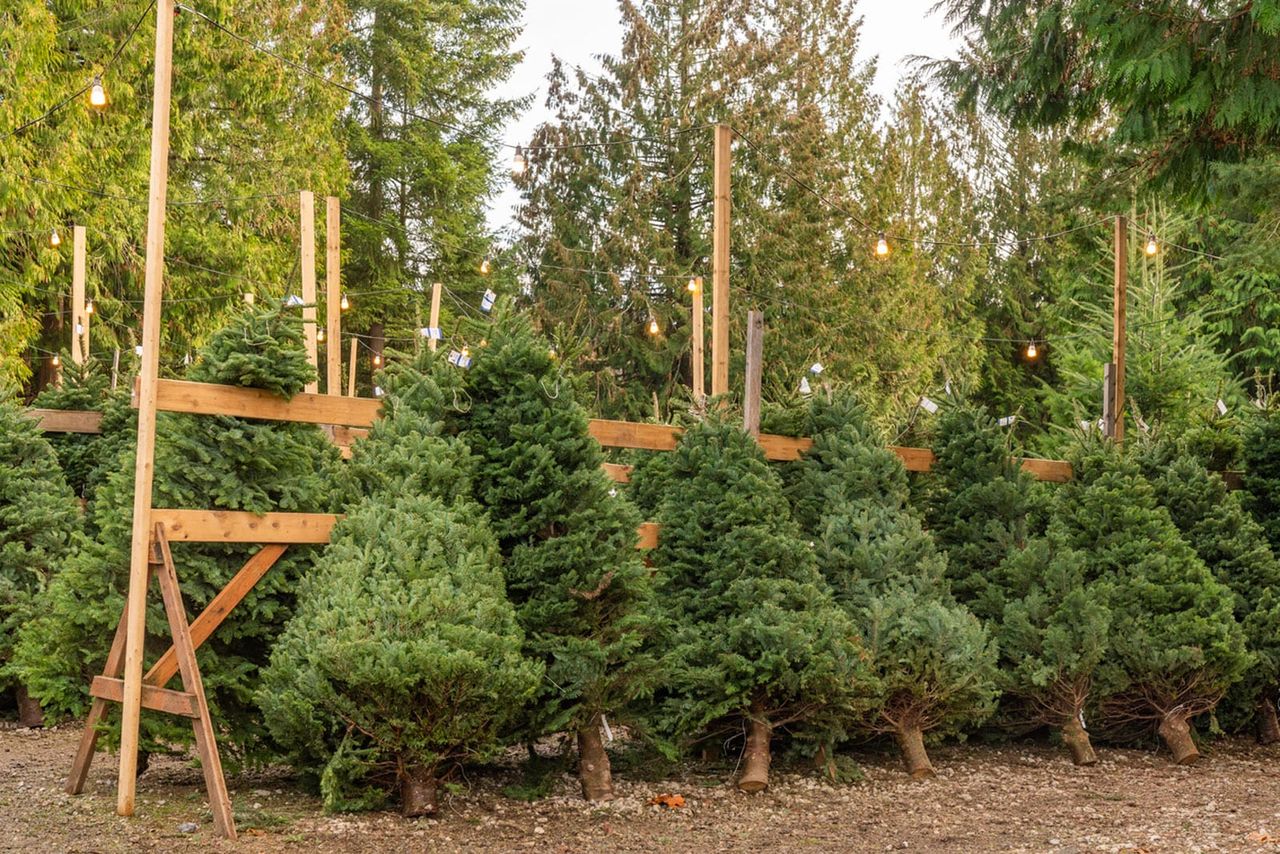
column 1262, row 474
column 755, row 641
column 83, row 387
column 1177, row 646
column 38, row 517
column 1236, row 550
column 934, row 660
column 569, row 540
column 209, row 462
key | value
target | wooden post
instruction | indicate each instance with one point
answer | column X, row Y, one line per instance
column 351, row 369
column 1109, row 400
column 79, row 319
column 333, row 295
column 720, row 264
column 696, row 356
column 148, row 374
column 434, row 322
column 1119, row 313
column 755, row 364
column 307, row 234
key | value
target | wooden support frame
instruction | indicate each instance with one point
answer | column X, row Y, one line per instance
column 213, row 399
column 1119, row 334
column 755, row 369
column 720, row 217
column 307, row 264
column 697, row 357
column 79, row 317
column 333, row 296
column 66, row 421
column 434, row 317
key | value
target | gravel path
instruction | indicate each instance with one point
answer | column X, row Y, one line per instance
column 1023, row 797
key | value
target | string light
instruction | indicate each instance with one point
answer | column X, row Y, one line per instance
column 882, row 246
column 1152, row 246
column 377, row 360
column 320, row 334
column 97, row 95
column 88, row 307
column 485, row 266
column 344, row 303
column 653, row 326
column 1032, row 352
column 519, row 163
column 55, row 239
column 693, row 286
column 57, row 360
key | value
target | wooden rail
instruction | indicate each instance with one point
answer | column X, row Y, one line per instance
column 66, row 421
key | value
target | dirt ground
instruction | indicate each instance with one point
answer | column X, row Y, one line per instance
column 1023, row 797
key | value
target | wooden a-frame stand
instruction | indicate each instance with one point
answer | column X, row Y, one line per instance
column 190, row 702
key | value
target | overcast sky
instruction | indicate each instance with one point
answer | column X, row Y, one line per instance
column 578, row 30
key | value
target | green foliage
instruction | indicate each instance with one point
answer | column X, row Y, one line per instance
column 1262, row 474
column 84, row 388
column 752, row 629
column 38, row 518
column 209, row 462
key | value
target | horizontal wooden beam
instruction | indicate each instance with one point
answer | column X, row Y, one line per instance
column 632, row 434
column 914, row 459
column 212, row 399
column 617, row 473
column 647, row 535
column 160, row 699
column 66, row 420
column 232, row 526
column 1054, row 471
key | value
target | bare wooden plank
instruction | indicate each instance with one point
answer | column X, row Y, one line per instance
column 631, row 434
column 307, row 265
column 1054, row 471
column 333, row 295
column 617, row 473
column 755, row 367
column 230, row 526
column 783, row 448
column 211, row 399
column 89, row 737
column 160, row 699
column 914, row 459
column 647, row 535
column 66, row 420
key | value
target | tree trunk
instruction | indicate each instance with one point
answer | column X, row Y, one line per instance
column 756, row 759
column 911, row 742
column 1176, row 733
column 1268, row 724
column 1076, row 739
column 29, row 712
column 418, row 791
column 825, row 762
column 593, row 763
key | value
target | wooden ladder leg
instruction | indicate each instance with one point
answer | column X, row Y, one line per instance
column 89, row 739
column 206, row 745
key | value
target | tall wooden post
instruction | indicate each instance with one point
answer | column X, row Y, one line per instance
column 149, row 371
column 720, row 264
column 79, row 318
column 351, row 368
column 434, row 322
column 755, row 367
column 307, row 233
column 1119, row 313
column 698, row 340
column 333, row 295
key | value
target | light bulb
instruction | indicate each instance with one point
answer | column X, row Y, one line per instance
column 519, row 163
column 97, row 95
column 1152, row 246
column 137, row 351
column 653, row 326
column 56, row 360
column 343, row 303
column 377, row 360
column 484, row 267
column 882, row 246
column 693, row 286
column 55, row 239
column 320, row 334
column 88, row 307
column 1032, row 352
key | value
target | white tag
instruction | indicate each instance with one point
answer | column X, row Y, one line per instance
column 1222, row 407
column 1144, row 426
column 431, row 332
column 456, row 358
column 79, row 328
column 137, row 351
column 1086, row 426
column 608, row 733
column 377, row 391
column 1082, row 726
column 947, row 388
column 1008, row 421
column 248, row 298
column 928, row 405
column 486, row 302
column 816, row 368
column 293, row 299
column 1102, row 425
column 804, row 386
column 613, row 493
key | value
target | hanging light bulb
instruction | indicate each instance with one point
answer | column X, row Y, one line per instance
column 519, row 163
column 97, row 95
column 1152, row 246
column 882, row 246
column 344, row 304
column 1032, row 352
column 653, row 326
column 88, row 307
column 485, row 266
column 693, row 286
column 55, row 239
column 377, row 360
column 57, row 360
column 320, row 334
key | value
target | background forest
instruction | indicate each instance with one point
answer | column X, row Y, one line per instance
column 995, row 199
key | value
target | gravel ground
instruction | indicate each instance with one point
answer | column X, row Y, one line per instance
column 1022, row 797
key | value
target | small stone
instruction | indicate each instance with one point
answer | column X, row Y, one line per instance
column 188, row 827
column 539, row 829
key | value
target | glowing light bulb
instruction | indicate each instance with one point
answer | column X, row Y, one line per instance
column 519, row 163
column 882, row 246
column 653, row 326
column 1152, row 246
column 344, row 304
column 693, row 286
column 88, row 307
column 320, row 334
column 377, row 360
column 97, row 95
column 55, row 239
column 56, row 360
column 485, row 266
column 1032, row 352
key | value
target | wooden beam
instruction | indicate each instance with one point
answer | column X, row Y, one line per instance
column 351, row 369
column 783, row 448
column 160, row 699
column 434, row 321
column 307, row 236
column 647, row 535
column 1054, row 471
column 630, row 434
column 66, row 420
column 1120, row 299
column 617, row 473
column 720, row 262
column 236, row 526
column 211, row 399
column 696, row 356
column 755, row 369
column 914, row 459
column 333, row 296
column 144, row 469
column 80, row 338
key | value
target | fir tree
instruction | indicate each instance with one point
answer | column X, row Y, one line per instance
column 934, row 660
column 569, row 540
column 755, row 640
column 83, row 388
column 211, row 462
column 38, row 518
column 1235, row 549
column 1177, row 647
column 1262, row 474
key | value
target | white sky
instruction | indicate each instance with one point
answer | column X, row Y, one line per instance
column 578, row 30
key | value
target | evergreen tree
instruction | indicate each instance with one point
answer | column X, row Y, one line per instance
column 83, row 388
column 38, row 518
column 211, row 462
column 569, row 540
column 755, row 642
column 1177, row 647
column 1235, row 549
column 934, row 660
column 1262, row 474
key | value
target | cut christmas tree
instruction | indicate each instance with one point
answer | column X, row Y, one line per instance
column 83, row 388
